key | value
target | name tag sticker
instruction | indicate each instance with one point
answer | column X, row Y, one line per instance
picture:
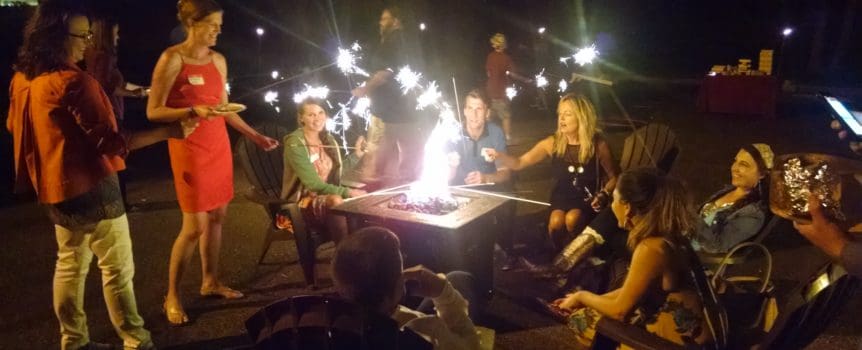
column 314, row 157
column 196, row 79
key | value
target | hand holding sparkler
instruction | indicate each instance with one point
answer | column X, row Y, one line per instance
column 474, row 178
column 360, row 147
column 355, row 192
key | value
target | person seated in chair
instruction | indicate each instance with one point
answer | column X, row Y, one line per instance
column 737, row 212
column 582, row 166
column 367, row 270
column 313, row 165
column 657, row 292
column 469, row 166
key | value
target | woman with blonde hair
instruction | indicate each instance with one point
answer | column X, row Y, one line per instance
column 658, row 293
column 582, row 166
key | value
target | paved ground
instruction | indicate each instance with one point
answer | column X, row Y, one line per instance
column 708, row 142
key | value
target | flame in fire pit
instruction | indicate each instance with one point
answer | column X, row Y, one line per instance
column 434, row 181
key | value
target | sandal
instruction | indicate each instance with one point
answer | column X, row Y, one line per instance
column 221, row 292
column 175, row 314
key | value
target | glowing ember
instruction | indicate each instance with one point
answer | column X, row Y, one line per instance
column 431, row 205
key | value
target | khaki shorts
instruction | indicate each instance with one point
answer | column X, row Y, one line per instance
column 501, row 109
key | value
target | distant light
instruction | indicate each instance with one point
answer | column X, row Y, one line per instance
column 712, row 74
column 259, row 31
column 274, row 74
column 422, row 26
column 541, row 30
column 787, row 31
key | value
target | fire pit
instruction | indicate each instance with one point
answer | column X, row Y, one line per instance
column 461, row 237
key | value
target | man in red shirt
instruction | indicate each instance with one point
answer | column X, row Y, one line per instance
column 499, row 67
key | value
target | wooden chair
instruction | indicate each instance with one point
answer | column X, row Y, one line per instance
column 652, row 145
column 264, row 171
column 311, row 322
column 610, row 333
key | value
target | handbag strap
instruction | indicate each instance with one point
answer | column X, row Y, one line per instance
column 719, row 273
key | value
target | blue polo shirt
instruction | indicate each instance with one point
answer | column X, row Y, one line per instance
column 471, row 152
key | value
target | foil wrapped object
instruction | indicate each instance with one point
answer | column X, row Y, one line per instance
column 836, row 182
column 803, row 180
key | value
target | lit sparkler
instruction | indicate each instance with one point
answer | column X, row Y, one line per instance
column 408, row 79
column 583, row 56
column 541, row 81
column 511, row 92
column 347, row 58
column 270, row 97
column 319, row 92
column 428, row 97
column 563, row 85
column 274, row 74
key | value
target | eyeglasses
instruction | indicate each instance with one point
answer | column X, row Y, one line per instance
column 86, row 37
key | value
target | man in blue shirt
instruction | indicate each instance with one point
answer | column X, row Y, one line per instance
column 470, row 166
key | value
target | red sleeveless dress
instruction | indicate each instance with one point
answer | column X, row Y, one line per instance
column 202, row 162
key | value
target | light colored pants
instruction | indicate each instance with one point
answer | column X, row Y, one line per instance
column 394, row 150
column 501, row 109
column 109, row 241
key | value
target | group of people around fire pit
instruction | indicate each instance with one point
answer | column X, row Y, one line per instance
column 69, row 149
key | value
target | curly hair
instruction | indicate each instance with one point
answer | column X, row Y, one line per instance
column 191, row 11
column 44, row 47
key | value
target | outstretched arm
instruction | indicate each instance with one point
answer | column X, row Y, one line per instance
column 234, row 120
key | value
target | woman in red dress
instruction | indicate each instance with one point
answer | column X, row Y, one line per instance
column 188, row 82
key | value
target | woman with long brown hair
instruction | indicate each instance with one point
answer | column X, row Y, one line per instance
column 657, row 293
column 188, row 85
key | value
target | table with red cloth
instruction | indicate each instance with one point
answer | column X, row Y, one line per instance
column 739, row 95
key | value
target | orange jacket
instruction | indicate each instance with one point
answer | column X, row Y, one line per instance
column 64, row 133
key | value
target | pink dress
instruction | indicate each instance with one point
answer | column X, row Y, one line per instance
column 202, row 163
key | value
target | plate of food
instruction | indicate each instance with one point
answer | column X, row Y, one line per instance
column 229, row 108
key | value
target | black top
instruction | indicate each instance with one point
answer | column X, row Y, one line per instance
column 387, row 101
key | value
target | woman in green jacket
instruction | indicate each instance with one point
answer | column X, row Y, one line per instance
column 313, row 167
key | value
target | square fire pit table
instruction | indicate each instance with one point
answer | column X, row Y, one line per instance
column 462, row 239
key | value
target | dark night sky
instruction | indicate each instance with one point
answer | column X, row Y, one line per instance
column 661, row 38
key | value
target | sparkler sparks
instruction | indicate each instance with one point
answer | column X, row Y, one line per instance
column 541, row 81
column 428, row 97
column 583, row 56
column 511, row 92
column 347, row 58
column 408, row 79
column 270, row 97
column 563, row 86
column 319, row 92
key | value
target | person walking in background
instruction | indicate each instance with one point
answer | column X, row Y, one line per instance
column 188, row 85
column 68, row 148
column 499, row 67
column 394, row 138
